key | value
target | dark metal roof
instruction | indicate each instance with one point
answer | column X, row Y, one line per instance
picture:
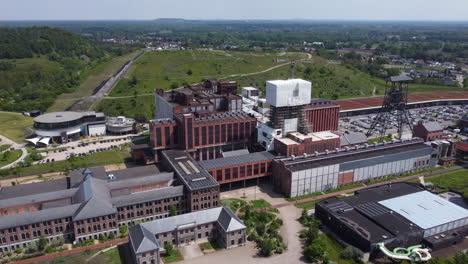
column 237, row 160
column 32, row 188
column 432, row 126
column 192, row 175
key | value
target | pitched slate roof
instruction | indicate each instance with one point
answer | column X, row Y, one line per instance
column 228, row 221
column 353, row 139
column 432, row 126
column 141, row 197
column 142, row 240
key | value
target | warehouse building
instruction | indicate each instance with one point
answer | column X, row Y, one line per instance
column 220, row 224
column 398, row 215
column 317, row 172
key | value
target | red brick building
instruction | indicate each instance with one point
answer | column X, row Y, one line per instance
column 298, row 144
column 88, row 204
column 429, row 131
column 239, row 167
column 322, row 115
column 205, row 137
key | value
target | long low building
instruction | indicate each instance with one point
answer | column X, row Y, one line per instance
column 397, row 215
column 296, row 176
column 86, row 205
column 220, row 224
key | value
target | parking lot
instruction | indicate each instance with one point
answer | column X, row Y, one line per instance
column 445, row 115
column 82, row 148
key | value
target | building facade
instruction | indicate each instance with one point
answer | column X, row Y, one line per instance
column 90, row 203
column 429, row 131
column 219, row 224
column 319, row 172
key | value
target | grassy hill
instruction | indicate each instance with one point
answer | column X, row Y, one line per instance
column 14, row 126
column 38, row 63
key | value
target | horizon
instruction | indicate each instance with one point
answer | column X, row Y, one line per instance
column 342, row 10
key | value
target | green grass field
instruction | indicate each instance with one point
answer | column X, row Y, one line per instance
column 14, row 125
column 136, row 107
column 175, row 256
column 165, row 68
column 457, row 180
column 96, row 75
column 112, row 256
column 97, row 159
column 11, row 157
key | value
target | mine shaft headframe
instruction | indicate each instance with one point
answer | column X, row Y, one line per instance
column 395, row 100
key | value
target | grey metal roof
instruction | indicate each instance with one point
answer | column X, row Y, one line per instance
column 401, row 78
column 432, row 126
column 353, row 139
column 40, row 197
column 58, row 117
column 188, row 170
column 141, row 197
column 116, row 184
column 32, row 188
column 222, row 215
column 95, row 199
column 237, row 160
column 38, row 216
column 142, row 240
column 425, row 209
column 238, row 152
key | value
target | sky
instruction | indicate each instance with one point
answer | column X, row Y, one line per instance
column 234, row 9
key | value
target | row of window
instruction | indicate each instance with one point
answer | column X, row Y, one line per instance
column 242, row 171
column 216, row 134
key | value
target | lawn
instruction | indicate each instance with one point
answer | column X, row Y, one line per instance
column 308, row 205
column 175, row 256
column 4, row 147
column 333, row 249
column 234, row 204
column 374, row 140
column 6, row 158
column 141, row 106
column 97, row 159
column 111, row 256
column 95, row 76
column 457, row 180
column 14, row 126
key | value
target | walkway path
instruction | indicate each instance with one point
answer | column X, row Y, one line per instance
column 14, row 145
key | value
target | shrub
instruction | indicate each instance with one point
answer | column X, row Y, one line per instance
column 49, row 249
column 123, row 229
column 169, row 248
column 18, row 250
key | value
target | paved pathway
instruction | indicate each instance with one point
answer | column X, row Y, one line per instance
column 15, row 145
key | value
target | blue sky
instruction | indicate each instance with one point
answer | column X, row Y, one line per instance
column 234, row 9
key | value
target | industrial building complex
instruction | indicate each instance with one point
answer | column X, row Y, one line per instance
column 205, row 137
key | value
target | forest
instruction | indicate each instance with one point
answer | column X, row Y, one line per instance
column 39, row 63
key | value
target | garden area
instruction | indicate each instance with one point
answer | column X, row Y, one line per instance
column 36, row 249
column 321, row 248
column 171, row 254
column 8, row 157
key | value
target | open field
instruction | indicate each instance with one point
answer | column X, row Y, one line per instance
column 96, row 76
column 137, row 107
column 13, row 125
column 97, row 159
column 175, row 68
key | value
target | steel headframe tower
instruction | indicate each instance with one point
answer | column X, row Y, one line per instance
column 393, row 107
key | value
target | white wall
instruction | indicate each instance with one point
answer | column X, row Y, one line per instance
column 292, row 92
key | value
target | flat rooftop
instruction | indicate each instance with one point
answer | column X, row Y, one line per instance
column 425, row 209
column 237, row 160
column 189, row 171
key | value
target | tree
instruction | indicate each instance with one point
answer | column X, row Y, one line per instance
column 172, row 210
column 6, row 155
column 314, row 253
column 111, row 236
column 174, row 85
column 169, row 248
column 189, row 72
column 266, row 247
column 123, row 229
column 42, row 243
